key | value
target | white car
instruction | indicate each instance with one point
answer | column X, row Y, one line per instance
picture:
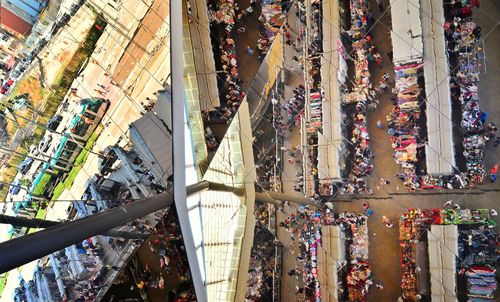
column 44, row 143
column 34, row 150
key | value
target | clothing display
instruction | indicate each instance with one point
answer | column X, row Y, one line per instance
column 271, row 19
column 463, row 36
column 404, row 120
column 477, row 237
column 361, row 95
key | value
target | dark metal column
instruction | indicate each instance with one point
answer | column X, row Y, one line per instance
column 27, row 222
column 277, row 198
column 19, row 251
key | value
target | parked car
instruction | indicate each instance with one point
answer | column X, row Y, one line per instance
column 34, row 150
column 54, row 122
column 15, row 187
column 45, row 143
column 25, row 165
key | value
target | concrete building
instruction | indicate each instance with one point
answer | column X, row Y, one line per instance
column 19, row 16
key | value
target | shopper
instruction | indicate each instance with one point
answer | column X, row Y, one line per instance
column 379, row 124
column 250, row 51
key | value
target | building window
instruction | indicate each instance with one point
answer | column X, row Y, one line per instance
column 94, row 107
column 71, row 146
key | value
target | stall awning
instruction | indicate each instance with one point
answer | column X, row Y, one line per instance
column 406, row 31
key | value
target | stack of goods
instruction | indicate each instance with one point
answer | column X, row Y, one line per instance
column 476, row 247
column 359, row 270
column 481, row 283
column 467, row 216
column 271, row 19
column 463, row 37
column 432, row 182
column 361, row 95
column 404, row 120
column 476, row 253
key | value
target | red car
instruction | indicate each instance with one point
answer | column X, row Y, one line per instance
column 10, row 82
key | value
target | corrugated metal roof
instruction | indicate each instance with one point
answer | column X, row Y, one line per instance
column 12, row 22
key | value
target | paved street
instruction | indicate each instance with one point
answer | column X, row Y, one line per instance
column 124, row 107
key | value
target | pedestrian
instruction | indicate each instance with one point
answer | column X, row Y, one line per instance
column 379, row 124
column 385, row 77
column 250, row 51
column 389, row 54
column 380, row 5
column 497, row 141
column 493, row 173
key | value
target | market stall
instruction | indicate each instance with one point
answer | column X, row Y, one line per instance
column 271, row 19
column 359, row 270
column 413, row 226
column 463, row 36
column 361, row 95
column 403, row 122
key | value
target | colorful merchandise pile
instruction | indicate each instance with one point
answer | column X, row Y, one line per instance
column 404, row 120
column 305, row 225
column 463, row 38
column 413, row 227
column 358, row 278
column 476, row 253
column 362, row 95
column 481, row 284
column 313, row 112
column 271, row 19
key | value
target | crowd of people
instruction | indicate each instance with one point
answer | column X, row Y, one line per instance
column 223, row 16
column 404, row 121
column 305, row 225
column 263, row 263
column 294, row 107
column 362, row 95
column 463, row 36
column 313, row 114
